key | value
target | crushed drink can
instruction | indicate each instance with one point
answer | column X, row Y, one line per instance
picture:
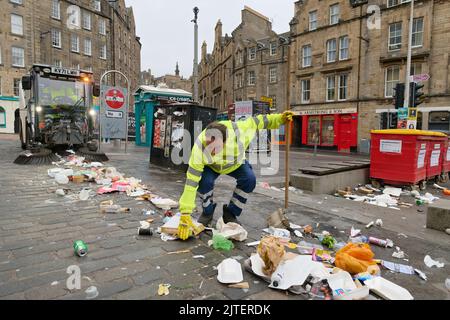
column 382, row 243
column 80, row 248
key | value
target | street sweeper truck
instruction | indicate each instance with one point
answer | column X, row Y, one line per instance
column 57, row 114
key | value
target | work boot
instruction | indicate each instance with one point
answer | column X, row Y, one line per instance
column 206, row 219
column 228, row 216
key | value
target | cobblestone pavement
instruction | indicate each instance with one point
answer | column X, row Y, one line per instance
column 37, row 230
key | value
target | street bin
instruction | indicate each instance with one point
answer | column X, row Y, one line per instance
column 175, row 128
column 436, row 149
column 401, row 157
column 446, row 161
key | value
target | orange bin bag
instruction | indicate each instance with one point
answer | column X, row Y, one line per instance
column 355, row 258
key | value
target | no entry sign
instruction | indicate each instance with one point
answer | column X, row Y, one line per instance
column 114, row 112
column 114, row 98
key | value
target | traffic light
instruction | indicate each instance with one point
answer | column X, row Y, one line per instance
column 416, row 97
column 399, row 95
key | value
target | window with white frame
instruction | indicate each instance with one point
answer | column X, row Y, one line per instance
column 16, row 24
column 307, row 56
column 343, row 87
column 97, row 5
column 240, row 57
column 57, row 63
column 392, row 78
column 56, row 38
column 306, row 90
column 395, row 36
column 417, row 33
column 331, row 88
column 273, row 48
column 17, row 1
column 343, row 47
column 416, row 68
column 331, row 50
column 87, row 47
column 89, row 68
column 252, row 53
column 56, row 9
column 76, row 66
column 103, row 52
column 16, row 86
column 102, row 26
column 334, row 14
column 73, row 17
column 75, row 43
column 239, row 81
column 313, row 20
column 18, row 57
column 251, row 76
column 2, row 117
column 86, row 20
column 273, row 74
column 392, row 3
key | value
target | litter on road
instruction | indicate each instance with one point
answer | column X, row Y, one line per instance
column 429, row 262
column 229, row 271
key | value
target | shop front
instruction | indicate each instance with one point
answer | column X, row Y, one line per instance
column 146, row 99
column 330, row 129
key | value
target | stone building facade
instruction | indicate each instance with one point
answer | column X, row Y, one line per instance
column 345, row 63
column 248, row 65
column 171, row 81
column 72, row 34
column 174, row 81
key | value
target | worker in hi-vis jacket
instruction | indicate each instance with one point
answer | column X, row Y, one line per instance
column 220, row 149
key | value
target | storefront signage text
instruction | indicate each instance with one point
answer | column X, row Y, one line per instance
column 321, row 112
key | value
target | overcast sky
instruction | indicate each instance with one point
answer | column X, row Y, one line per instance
column 167, row 32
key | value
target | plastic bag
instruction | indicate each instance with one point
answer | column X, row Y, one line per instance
column 355, row 258
column 221, row 243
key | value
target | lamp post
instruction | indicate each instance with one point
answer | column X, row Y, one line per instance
column 196, row 10
column 408, row 63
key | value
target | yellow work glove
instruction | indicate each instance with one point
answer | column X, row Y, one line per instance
column 185, row 227
column 287, row 116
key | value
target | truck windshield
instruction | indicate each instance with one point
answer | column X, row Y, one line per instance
column 60, row 93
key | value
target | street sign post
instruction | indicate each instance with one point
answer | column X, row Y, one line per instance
column 114, row 98
column 420, row 77
column 114, row 110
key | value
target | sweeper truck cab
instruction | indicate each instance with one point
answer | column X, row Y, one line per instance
column 56, row 113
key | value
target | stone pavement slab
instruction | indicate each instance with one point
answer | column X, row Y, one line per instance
column 37, row 230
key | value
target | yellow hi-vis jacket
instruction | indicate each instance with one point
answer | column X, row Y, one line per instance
column 239, row 136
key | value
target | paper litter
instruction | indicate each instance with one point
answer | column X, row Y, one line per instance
column 230, row 230
column 429, row 262
column 396, row 192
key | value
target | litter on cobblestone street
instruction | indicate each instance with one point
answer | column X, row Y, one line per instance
column 230, row 158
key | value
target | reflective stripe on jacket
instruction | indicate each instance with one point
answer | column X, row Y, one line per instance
column 239, row 136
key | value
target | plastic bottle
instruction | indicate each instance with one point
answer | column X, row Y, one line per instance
column 360, row 239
